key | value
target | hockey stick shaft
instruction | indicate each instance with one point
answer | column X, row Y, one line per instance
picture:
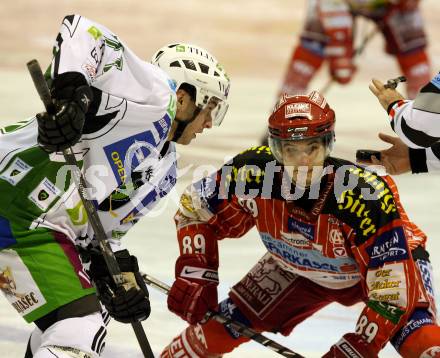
column 109, row 257
column 237, row 326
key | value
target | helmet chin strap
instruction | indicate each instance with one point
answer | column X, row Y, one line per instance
column 181, row 125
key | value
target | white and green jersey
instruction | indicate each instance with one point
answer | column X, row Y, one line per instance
column 123, row 152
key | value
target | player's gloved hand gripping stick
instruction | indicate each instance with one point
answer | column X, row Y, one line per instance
column 109, row 257
column 237, row 326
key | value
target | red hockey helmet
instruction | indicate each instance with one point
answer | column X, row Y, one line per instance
column 301, row 117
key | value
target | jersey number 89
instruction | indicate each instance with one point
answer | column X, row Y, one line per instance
column 367, row 329
column 195, row 245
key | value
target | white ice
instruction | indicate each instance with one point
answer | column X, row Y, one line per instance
column 153, row 239
column 262, row 34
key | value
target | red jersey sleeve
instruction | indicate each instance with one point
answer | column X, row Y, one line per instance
column 208, row 213
column 382, row 241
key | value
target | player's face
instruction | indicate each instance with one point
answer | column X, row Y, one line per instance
column 304, row 157
column 202, row 120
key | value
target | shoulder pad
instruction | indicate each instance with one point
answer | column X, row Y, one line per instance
column 367, row 202
column 254, row 156
column 251, row 165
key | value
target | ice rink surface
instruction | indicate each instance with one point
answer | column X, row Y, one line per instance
column 253, row 41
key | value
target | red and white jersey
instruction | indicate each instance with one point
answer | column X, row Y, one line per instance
column 334, row 235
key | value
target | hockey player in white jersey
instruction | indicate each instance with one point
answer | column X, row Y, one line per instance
column 416, row 122
column 121, row 116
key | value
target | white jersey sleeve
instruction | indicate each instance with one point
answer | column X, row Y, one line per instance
column 125, row 131
column 79, row 47
column 417, row 122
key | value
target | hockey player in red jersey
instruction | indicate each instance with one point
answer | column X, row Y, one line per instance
column 328, row 35
column 334, row 232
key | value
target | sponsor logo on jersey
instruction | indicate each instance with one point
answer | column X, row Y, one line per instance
column 244, row 174
column 340, row 252
column 388, row 247
column 354, row 204
column 306, row 258
column 78, row 214
column 388, row 284
column 7, row 282
column 138, row 146
column 16, row 171
column 44, row 194
column 336, row 237
column 95, row 32
column 306, row 230
column 295, row 239
column 381, row 191
column 390, row 312
column 25, row 302
column 385, row 284
column 18, row 285
column 425, row 269
column 91, row 70
column 420, row 318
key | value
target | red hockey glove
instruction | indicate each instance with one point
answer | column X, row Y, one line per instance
column 351, row 345
column 195, row 290
column 342, row 69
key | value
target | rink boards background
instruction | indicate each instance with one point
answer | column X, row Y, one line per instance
column 253, row 41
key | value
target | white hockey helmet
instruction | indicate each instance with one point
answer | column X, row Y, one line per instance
column 186, row 63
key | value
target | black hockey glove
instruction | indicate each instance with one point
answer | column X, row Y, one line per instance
column 72, row 97
column 128, row 303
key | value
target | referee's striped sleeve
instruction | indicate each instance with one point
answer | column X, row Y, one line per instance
column 425, row 160
column 417, row 122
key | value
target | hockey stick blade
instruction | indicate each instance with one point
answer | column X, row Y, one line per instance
column 109, row 257
column 242, row 329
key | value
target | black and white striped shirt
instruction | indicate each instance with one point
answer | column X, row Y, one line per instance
column 417, row 123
